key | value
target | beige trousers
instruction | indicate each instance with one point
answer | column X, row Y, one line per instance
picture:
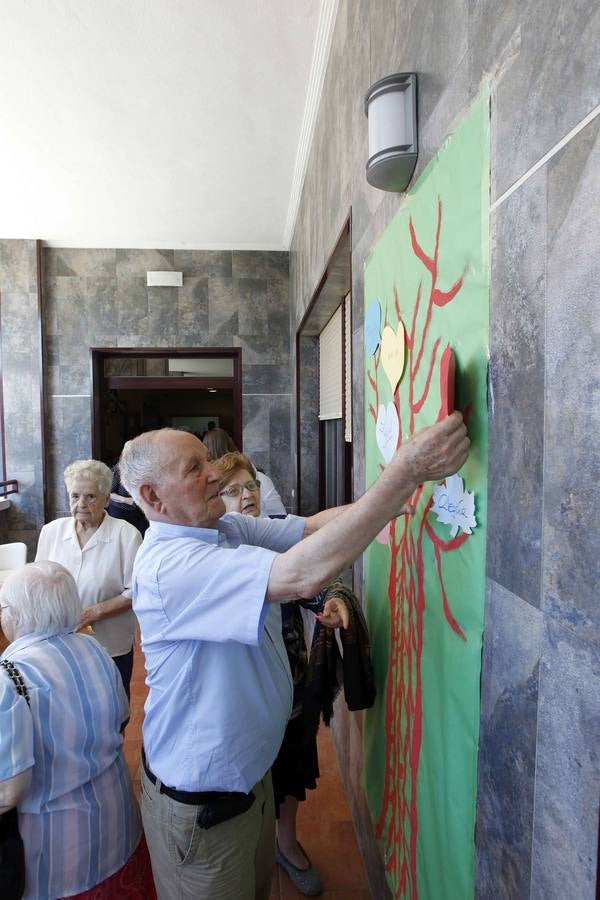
column 231, row 861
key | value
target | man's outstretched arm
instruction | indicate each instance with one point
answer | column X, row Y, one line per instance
column 338, row 536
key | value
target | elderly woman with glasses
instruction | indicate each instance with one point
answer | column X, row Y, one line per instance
column 98, row 550
column 297, row 766
column 218, row 443
column 61, row 747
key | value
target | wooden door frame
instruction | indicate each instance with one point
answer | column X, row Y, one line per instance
column 168, row 382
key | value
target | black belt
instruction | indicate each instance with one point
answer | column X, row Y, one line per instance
column 192, row 798
column 217, row 806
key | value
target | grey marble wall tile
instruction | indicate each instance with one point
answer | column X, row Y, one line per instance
column 74, row 380
column 516, row 379
column 565, row 836
column 253, row 312
column 260, row 350
column 273, row 379
column 430, row 38
column 76, row 433
column 21, row 412
column 260, row 264
column 223, row 310
column 279, row 446
column 100, row 294
column 452, row 102
column 279, row 426
column 572, row 422
column 256, row 424
column 52, row 350
column 26, row 511
column 72, row 319
column 52, row 379
column 133, row 265
column 18, row 270
column 308, row 489
column 67, row 262
column 192, row 318
column 19, row 321
column 132, row 339
column 510, row 672
column 202, row 263
column 131, row 304
column 278, row 307
column 530, row 48
column 162, row 313
column 49, row 316
column 309, row 425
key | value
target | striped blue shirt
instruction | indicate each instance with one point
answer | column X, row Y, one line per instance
column 79, row 818
column 220, row 684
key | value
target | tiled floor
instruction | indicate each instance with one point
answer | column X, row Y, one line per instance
column 324, row 824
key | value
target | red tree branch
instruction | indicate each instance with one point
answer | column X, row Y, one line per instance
column 417, row 407
column 441, row 298
column 427, row 261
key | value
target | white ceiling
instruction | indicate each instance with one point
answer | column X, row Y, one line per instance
column 157, row 123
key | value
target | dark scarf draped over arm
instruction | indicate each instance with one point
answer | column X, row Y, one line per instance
column 327, row 671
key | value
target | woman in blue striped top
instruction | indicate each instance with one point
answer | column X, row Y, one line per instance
column 61, row 759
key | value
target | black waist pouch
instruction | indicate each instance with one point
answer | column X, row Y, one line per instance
column 12, row 860
column 222, row 807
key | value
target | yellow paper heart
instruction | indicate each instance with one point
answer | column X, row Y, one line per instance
column 392, row 353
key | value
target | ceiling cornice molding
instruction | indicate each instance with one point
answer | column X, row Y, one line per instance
column 161, row 245
column 320, row 59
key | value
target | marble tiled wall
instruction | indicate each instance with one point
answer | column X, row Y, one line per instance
column 21, row 384
column 539, row 772
column 99, row 298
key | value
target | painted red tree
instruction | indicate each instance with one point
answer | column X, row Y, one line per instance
column 406, row 587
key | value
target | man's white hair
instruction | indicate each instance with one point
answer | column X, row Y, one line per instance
column 140, row 462
column 89, row 470
column 42, row 598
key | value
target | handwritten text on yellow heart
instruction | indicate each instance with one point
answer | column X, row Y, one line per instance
column 392, row 353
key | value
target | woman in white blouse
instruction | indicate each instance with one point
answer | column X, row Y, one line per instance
column 98, row 551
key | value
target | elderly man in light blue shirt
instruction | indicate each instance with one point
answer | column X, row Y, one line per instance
column 206, row 589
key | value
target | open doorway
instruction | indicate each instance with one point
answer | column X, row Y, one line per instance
column 135, row 390
column 324, row 437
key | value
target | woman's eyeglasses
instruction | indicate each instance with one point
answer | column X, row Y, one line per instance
column 236, row 489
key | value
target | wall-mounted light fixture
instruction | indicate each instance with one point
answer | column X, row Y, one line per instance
column 164, row 279
column 391, row 108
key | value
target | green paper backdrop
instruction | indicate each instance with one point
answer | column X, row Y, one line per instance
column 424, row 591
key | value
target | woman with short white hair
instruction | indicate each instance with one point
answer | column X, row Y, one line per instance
column 61, row 747
column 98, row 550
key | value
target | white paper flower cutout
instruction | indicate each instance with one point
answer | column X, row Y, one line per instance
column 454, row 505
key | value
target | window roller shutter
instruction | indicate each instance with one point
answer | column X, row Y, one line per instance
column 330, row 368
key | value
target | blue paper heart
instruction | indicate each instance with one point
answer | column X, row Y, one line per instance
column 373, row 327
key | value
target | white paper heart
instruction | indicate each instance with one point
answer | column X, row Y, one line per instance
column 387, row 430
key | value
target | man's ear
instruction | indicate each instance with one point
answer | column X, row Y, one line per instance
column 150, row 497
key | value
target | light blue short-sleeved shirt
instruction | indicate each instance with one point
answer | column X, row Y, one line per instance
column 217, row 669
column 79, row 819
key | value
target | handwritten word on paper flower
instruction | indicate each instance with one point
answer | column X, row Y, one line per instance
column 454, row 505
column 387, row 430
